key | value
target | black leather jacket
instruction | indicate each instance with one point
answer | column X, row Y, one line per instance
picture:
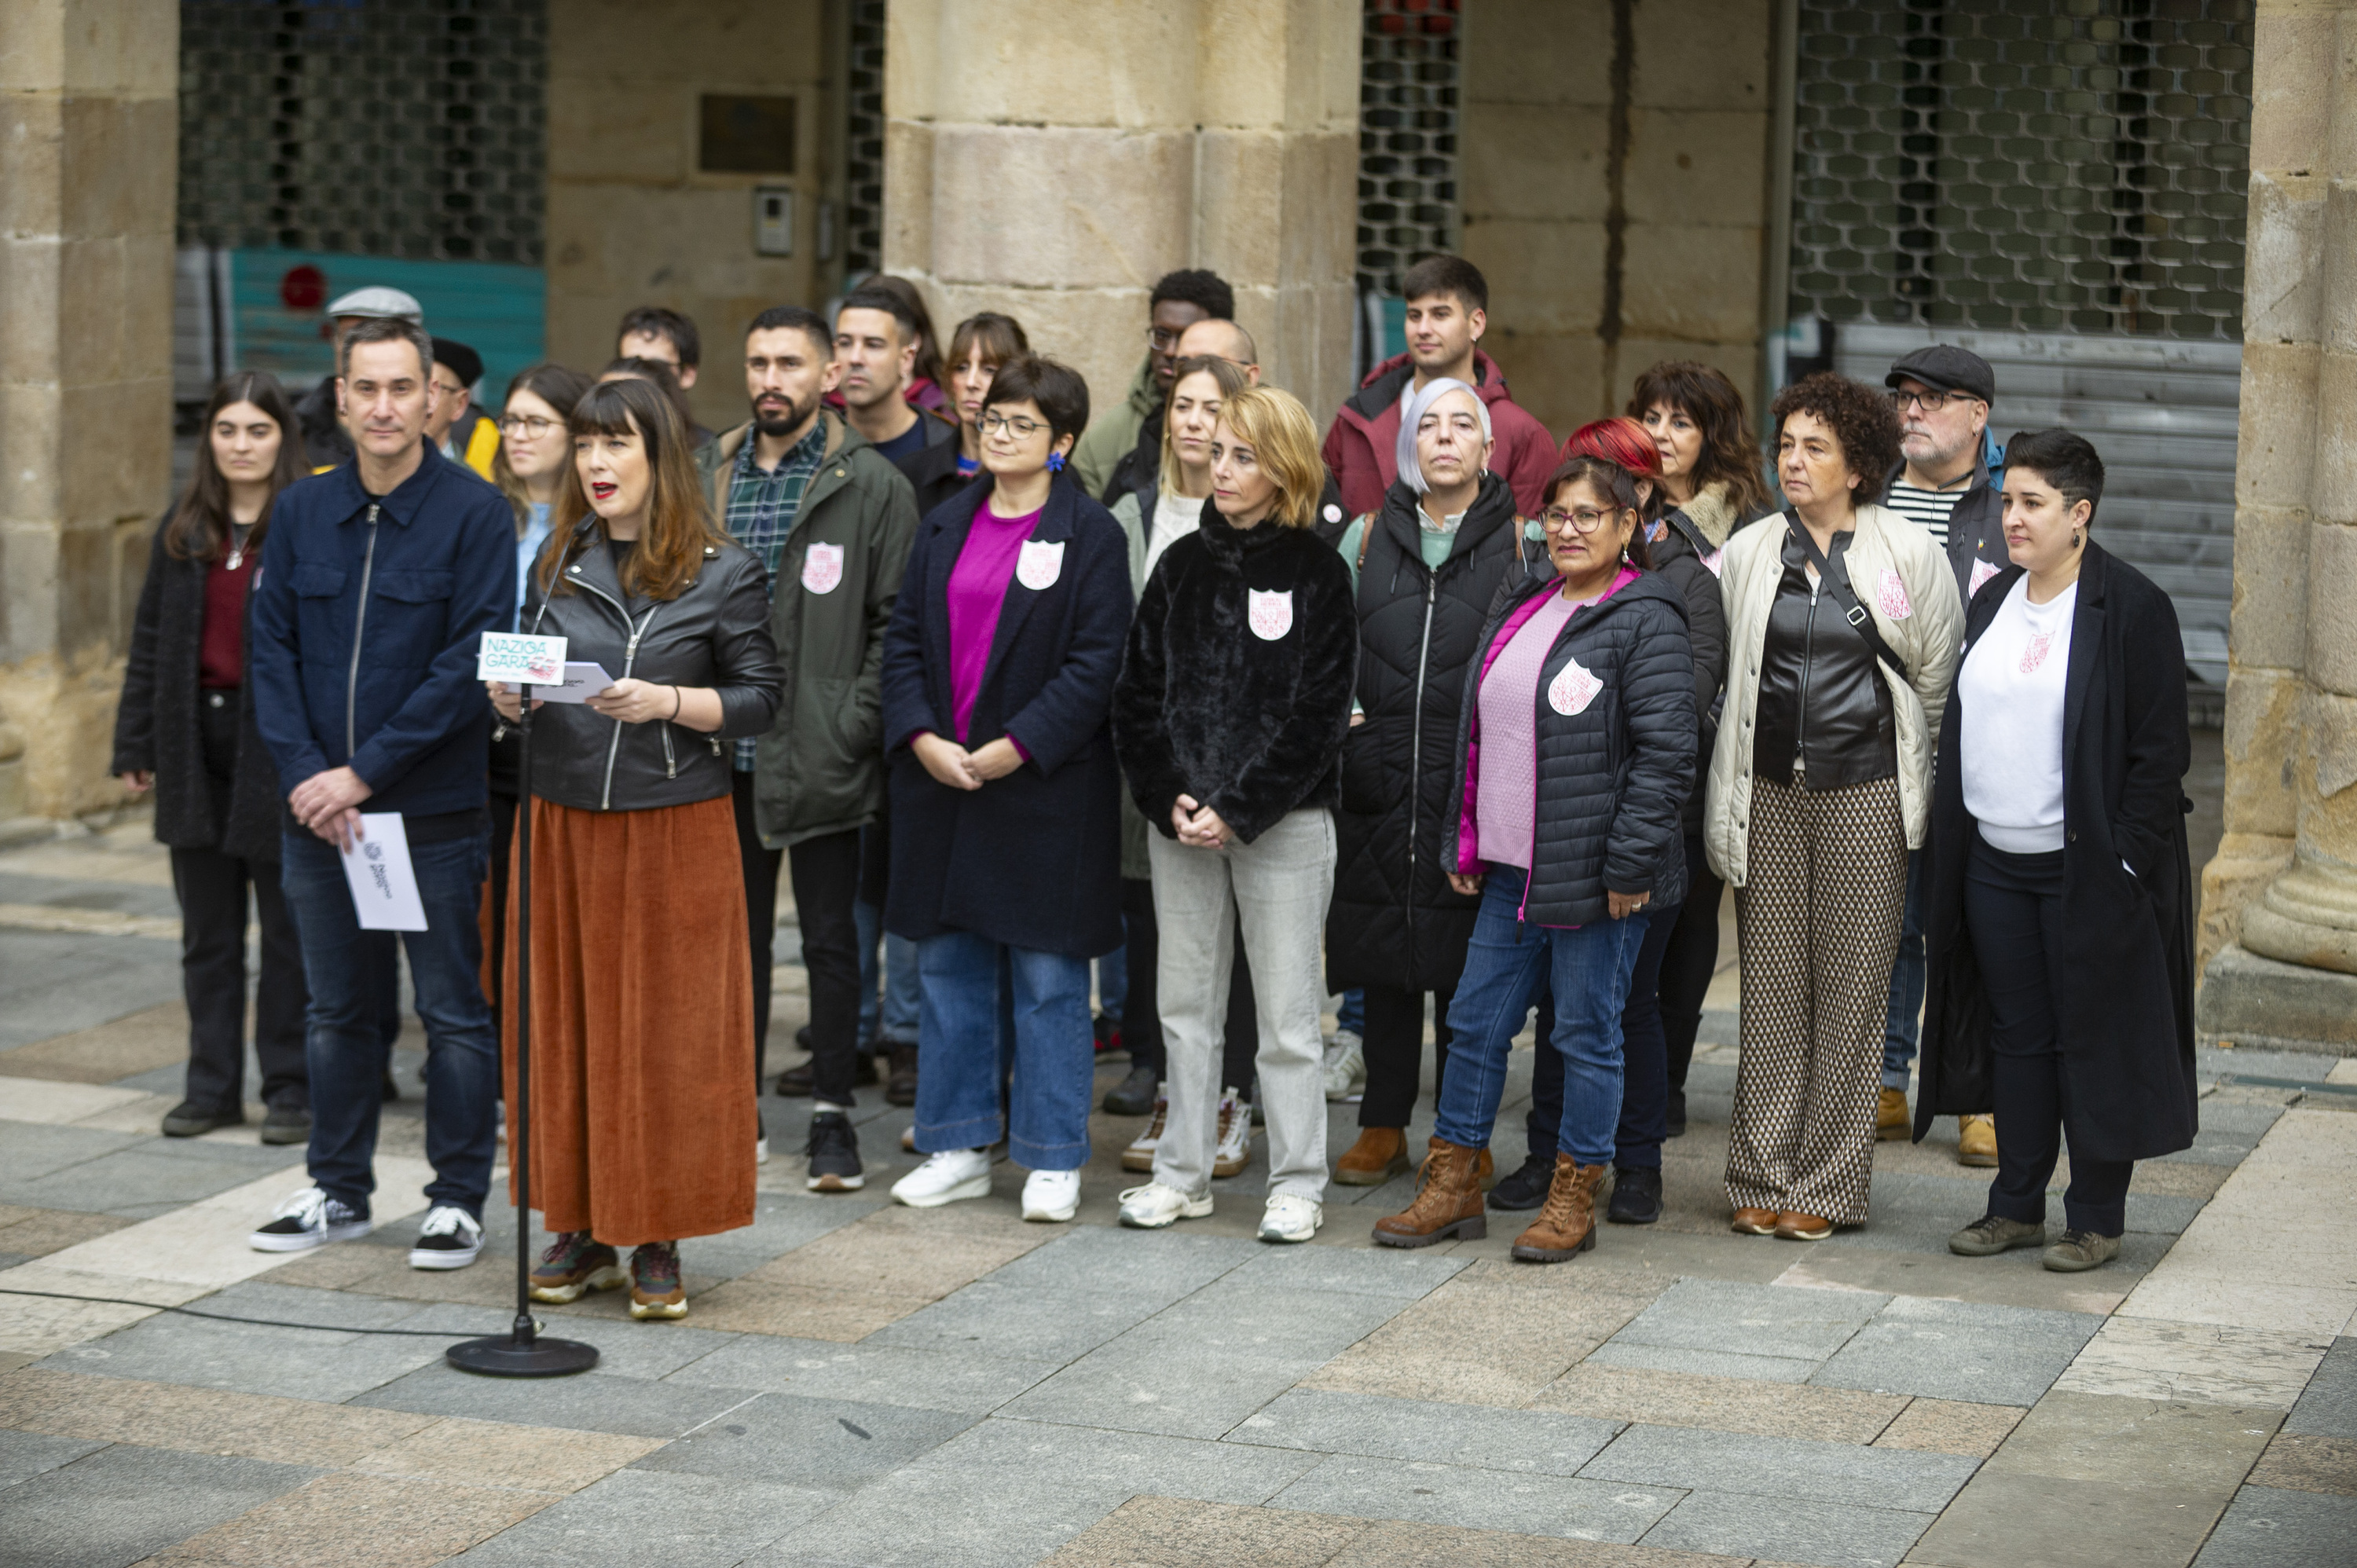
column 1822, row 700
column 716, row 634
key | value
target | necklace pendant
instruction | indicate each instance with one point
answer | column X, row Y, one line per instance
column 236, row 559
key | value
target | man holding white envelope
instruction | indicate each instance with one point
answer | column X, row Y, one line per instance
column 378, row 581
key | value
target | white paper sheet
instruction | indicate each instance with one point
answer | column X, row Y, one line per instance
column 582, row 681
column 384, row 887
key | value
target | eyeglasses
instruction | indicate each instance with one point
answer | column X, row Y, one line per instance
column 1014, row 424
column 1586, row 519
column 529, row 425
column 1928, row 401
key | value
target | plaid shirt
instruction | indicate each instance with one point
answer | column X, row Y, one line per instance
column 761, row 511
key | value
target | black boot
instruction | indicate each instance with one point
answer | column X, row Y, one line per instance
column 1636, row 1196
column 1677, row 1117
column 1134, row 1095
column 1525, row 1187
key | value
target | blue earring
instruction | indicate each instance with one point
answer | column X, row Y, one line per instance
column 1055, row 462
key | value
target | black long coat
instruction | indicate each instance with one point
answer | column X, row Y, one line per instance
column 1394, row 920
column 2122, row 983
column 1031, row 860
column 156, row 726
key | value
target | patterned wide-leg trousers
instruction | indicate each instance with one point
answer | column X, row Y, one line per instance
column 1817, row 921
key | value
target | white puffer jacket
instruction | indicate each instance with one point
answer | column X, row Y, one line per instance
column 1927, row 632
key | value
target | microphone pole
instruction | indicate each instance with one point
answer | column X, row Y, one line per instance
column 521, row 1352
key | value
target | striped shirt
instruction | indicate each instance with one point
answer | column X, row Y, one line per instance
column 1930, row 507
column 762, row 506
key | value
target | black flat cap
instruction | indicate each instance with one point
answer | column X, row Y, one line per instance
column 1942, row 367
column 468, row 366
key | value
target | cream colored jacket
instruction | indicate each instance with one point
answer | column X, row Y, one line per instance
column 1903, row 579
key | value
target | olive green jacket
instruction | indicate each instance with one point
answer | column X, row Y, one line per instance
column 820, row 768
column 1111, row 432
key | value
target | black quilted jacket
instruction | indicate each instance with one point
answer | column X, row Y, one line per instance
column 1613, row 776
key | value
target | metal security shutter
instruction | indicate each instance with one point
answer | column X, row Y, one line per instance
column 863, row 152
column 2160, row 410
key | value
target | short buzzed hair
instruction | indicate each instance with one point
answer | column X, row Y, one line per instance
column 1241, row 349
column 388, row 329
column 808, row 322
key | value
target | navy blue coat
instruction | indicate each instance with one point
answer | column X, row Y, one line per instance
column 437, row 568
column 1031, row 860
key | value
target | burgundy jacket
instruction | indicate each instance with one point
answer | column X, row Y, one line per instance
column 1361, row 447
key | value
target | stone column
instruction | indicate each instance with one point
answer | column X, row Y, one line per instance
column 1051, row 161
column 89, row 147
column 2284, row 885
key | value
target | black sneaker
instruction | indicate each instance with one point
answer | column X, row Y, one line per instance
column 1525, row 1187
column 1134, row 1095
column 1636, row 1196
column 450, row 1239
column 306, row 1219
column 190, row 1119
column 287, row 1124
column 1677, row 1117
column 833, row 1153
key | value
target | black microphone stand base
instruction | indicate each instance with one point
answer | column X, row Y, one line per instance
column 521, row 1355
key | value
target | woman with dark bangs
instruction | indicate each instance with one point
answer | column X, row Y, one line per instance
column 642, row 986
column 185, row 728
column 980, row 344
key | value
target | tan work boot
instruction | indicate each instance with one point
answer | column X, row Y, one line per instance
column 1380, row 1154
column 1567, row 1224
column 1485, row 1165
column 1891, row 1117
column 1448, row 1203
column 1975, row 1140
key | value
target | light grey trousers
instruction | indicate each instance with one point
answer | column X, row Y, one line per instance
column 1278, row 885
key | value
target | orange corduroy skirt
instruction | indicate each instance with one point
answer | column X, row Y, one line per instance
column 642, row 1096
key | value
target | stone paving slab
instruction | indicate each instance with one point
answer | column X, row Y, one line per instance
column 1479, row 1498
column 233, row 1425
column 1539, row 1441
column 2148, row 1359
column 1961, row 1350
column 788, row 1440
column 968, row 1381
column 1755, row 1321
column 1797, row 1530
column 348, row 1521
column 635, row 1517
column 2328, row 1407
column 1038, row 1323
column 1600, row 1389
column 1702, row 1460
column 2009, row 1279
column 124, row 1503
column 2264, row 1528
column 24, row 1454
column 591, row 1401
column 62, row 994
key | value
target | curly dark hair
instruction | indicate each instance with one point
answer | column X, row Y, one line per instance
column 1862, row 420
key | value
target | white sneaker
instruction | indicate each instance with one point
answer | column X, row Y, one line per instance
column 1053, row 1197
column 1234, row 1151
column 945, row 1177
column 450, row 1239
column 1154, row 1206
column 1346, row 1068
column 1139, row 1156
column 307, row 1218
column 1291, row 1218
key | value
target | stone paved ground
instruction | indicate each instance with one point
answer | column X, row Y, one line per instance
column 862, row 1384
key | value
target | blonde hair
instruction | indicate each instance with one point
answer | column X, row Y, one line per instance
column 1273, row 422
column 1230, row 382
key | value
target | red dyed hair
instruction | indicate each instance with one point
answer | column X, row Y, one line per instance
column 1623, row 441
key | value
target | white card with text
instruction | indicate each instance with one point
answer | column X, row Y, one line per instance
column 384, row 888
column 520, row 661
column 582, row 681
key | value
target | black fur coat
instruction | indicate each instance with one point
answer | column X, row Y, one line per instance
column 1236, row 685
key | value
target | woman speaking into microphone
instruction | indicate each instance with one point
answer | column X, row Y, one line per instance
column 643, row 987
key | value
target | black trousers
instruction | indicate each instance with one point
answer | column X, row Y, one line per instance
column 1394, row 1046
column 213, row 893
column 1141, row 1020
column 2013, row 909
column 1689, row 962
column 824, row 872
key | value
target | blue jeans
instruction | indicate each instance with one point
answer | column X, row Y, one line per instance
column 1507, row 965
column 350, row 971
column 1352, row 1014
column 982, row 1004
column 893, row 1020
column 1899, row 1029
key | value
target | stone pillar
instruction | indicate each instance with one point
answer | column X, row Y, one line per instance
column 2279, row 902
column 88, row 148
column 1051, row 161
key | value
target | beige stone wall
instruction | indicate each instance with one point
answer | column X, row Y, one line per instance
column 1051, row 161
column 630, row 221
column 2285, row 880
column 1534, row 185
column 89, row 139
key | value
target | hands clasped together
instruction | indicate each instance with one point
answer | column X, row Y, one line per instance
column 954, row 766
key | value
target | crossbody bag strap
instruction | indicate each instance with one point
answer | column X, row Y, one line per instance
column 1837, row 583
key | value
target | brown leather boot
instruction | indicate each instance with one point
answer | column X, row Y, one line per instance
column 1485, row 1165
column 1448, row 1203
column 1567, row 1225
column 1380, row 1154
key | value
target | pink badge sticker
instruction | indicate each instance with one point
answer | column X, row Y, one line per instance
column 1271, row 614
column 1571, row 691
column 1890, row 596
column 1981, row 573
column 1716, row 560
column 2040, row 644
column 822, row 568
